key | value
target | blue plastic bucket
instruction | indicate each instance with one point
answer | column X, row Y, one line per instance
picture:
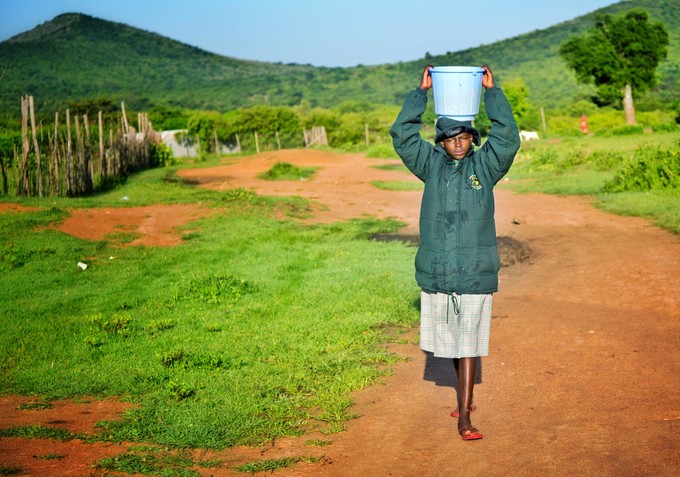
column 457, row 91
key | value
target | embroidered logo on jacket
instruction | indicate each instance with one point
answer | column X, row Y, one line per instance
column 474, row 182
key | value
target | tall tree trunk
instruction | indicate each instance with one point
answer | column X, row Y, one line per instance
column 628, row 106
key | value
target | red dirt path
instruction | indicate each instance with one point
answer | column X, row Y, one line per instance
column 583, row 376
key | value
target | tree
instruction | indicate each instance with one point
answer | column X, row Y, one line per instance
column 517, row 92
column 620, row 55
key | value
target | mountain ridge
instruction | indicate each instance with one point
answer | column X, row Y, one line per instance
column 78, row 57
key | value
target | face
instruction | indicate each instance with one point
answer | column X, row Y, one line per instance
column 458, row 146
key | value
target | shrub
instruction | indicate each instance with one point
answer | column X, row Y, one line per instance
column 160, row 154
column 288, row 172
column 650, row 169
column 605, row 160
column 623, row 130
column 382, row 151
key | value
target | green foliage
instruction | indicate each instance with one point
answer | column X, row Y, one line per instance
column 623, row 130
column 10, row 140
column 619, row 51
column 650, row 169
column 288, row 172
column 160, row 154
column 517, row 92
column 382, row 151
column 166, row 118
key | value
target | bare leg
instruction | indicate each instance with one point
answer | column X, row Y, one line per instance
column 466, row 381
column 456, row 366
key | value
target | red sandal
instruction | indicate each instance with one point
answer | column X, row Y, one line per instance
column 473, row 435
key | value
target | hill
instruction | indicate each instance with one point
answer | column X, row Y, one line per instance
column 76, row 57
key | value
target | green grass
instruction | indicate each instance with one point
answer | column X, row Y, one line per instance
column 254, row 329
column 583, row 165
column 270, row 465
column 288, row 172
column 156, row 461
column 50, row 456
column 6, row 470
column 398, row 185
column 35, row 406
column 40, row 432
column 397, row 166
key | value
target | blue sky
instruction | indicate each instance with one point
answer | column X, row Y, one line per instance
column 319, row 32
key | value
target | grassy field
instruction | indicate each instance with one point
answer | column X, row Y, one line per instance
column 621, row 173
column 254, row 328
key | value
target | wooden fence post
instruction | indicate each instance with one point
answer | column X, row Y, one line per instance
column 111, row 158
column 36, row 148
column 79, row 172
column 69, row 156
column 101, row 146
column 23, row 185
column 366, row 132
column 238, row 144
column 87, row 155
column 55, row 157
column 257, row 143
column 126, row 127
column 278, row 140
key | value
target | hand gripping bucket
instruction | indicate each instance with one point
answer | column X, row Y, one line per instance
column 457, row 91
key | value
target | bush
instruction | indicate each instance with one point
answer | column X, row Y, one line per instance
column 670, row 126
column 626, row 130
column 287, row 171
column 160, row 154
column 382, row 151
column 605, row 160
column 650, row 169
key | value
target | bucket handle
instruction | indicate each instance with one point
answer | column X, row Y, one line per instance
column 474, row 73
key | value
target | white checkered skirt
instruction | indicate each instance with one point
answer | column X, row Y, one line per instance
column 455, row 326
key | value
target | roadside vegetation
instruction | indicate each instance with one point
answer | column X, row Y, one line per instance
column 255, row 328
column 636, row 175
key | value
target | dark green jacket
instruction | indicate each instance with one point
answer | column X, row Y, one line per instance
column 458, row 250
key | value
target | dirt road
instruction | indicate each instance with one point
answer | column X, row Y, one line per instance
column 583, row 376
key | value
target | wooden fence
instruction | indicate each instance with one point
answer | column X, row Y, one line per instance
column 77, row 161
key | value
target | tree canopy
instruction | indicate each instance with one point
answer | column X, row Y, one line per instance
column 619, row 52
